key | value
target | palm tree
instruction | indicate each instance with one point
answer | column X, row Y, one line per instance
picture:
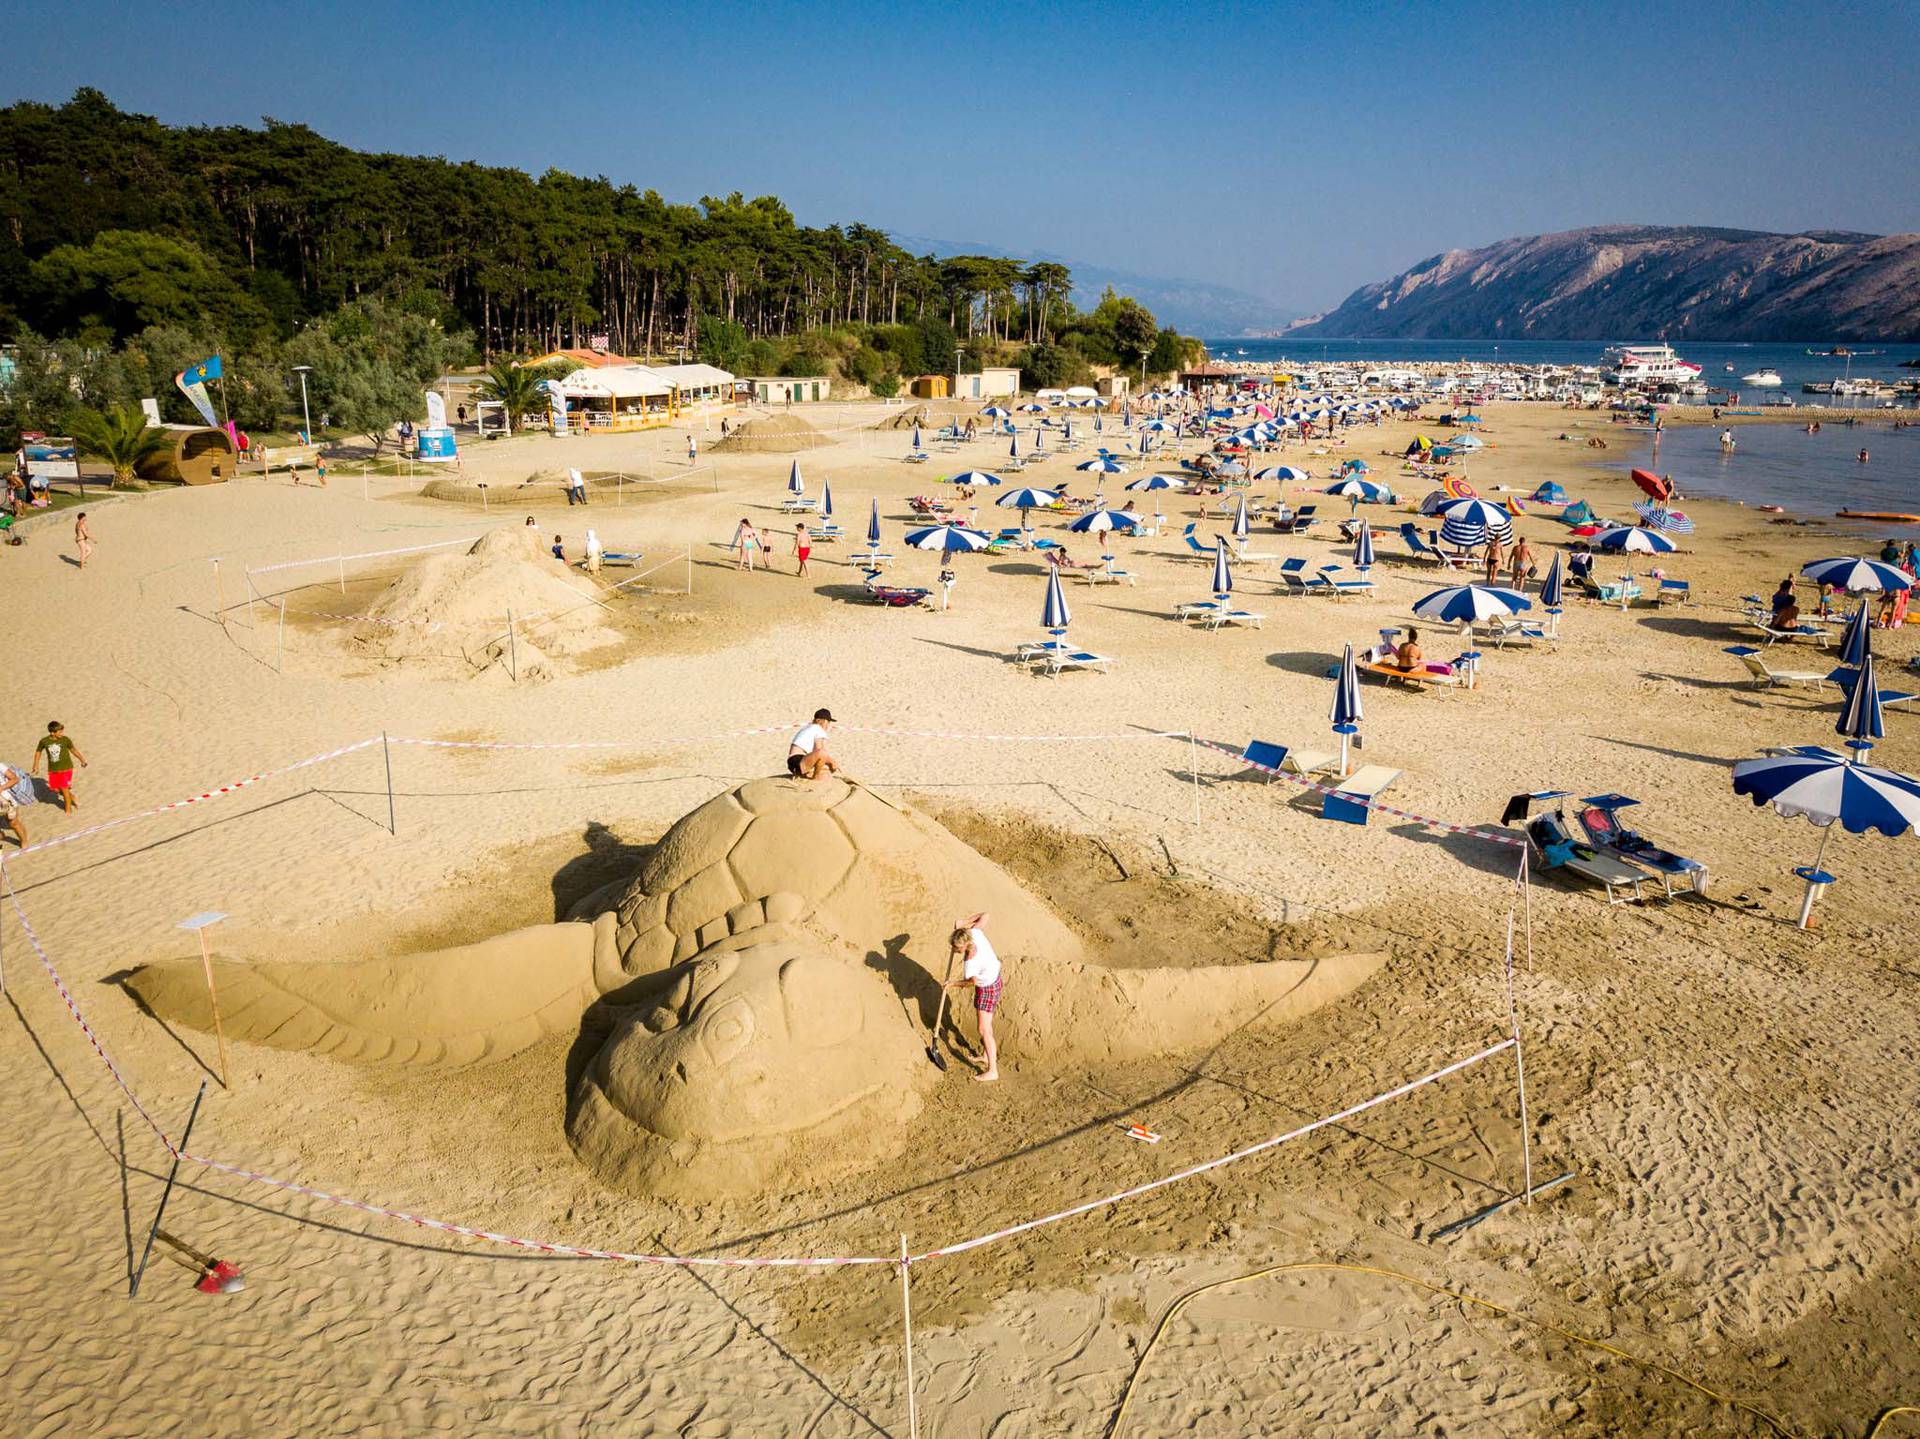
column 517, row 389
column 120, row 436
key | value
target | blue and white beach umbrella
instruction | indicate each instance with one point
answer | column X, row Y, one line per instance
column 996, row 412
column 1657, row 516
column 1471, row 604
column 1346, row 713
column 1157, row 482
column 795, row 484
column 1102, row 464
column 1856, row 575
column 1363, row 548
column 1552, row 592
column 1635, row 540
column 1282, row 473
column 1242, row 521
column 1054, row 614
column 1354, row 488
column 1013, row 444
column 1828, row 787
column 1032, row 407
column 1025, row 499
column 1099, row 522
column 1473, row 522
column 975, row 478
column 1222, row 570
column 948, row 538
column 826, row 499
column 873, row 525
column 1861, row 720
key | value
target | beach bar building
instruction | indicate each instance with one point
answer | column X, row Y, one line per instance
column 788, row 390
column 617, row 397
column 992, row 383
column 698, row 386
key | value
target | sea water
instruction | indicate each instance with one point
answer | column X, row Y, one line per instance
column 1795, row 364
column 1781, row 464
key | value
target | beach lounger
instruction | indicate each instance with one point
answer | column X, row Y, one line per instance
column 1418, row 548
column 1679, row 592
column 1327, row 583
column 1426, row 676
column 1599, row 817
column 1251, row 557
column 1275, row 759
column 828, row 533
column 1106, row 575
column 1613, row 592
column 1252, row 619
column 1196, row 609
column 1070, row 659
column 894, row 596
column 1620, row 880
column 1801, row 631
column 1898, row 700
column 1765, row 676
column 916, row 457
column 1452, row 559
column 1515, row 628
column 1346, row 801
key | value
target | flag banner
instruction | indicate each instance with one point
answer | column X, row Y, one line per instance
column 192, row 382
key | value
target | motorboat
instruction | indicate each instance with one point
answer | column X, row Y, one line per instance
column 1652, row 365
column 1768, row 378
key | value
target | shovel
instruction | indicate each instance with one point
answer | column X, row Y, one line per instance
column 939, row 1015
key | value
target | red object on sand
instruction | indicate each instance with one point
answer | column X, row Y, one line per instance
column 223, row 1278
column 1660, row 489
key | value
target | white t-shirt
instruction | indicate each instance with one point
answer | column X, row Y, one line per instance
column 983, row 965
column 808, row 740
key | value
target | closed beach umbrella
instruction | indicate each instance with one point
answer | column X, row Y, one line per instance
column 1025, row 499
column 873, row 526
column 1635, row 541
column 1855, row 641
column 1346, row 704
column 795, row 484
column 1013, row 444
column 1363, row 548
column 1550, row 592
column 1054, row 614
column 1242, row 521
column 1830, row 788
column 948, row 538
column 1861, row 721
column 916, row 437
column 1222, row 571
column 1471, row 604
column 826, row 500
column 1856, row 575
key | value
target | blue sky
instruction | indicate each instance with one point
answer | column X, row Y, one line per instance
column 1294, row 151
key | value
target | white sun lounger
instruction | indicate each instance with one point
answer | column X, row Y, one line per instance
column 1250, row 618
column 1346, row 801
column 1766, row 677
column 1270, row 757
column 1621, row 880
column 1072, row 659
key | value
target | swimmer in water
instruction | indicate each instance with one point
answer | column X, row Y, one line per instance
column 1863, row 456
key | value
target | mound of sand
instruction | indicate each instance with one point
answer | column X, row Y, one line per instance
column 773, row 435
column 464, row 600
column 939, row 412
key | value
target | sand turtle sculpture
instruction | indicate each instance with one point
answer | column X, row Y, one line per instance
column 753, row 1003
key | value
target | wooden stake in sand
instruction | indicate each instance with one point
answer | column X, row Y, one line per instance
column 133, row 1289
column 1193, row 763
column 219, row 596
column 906, row 1316
column 386, row 754
column 280, row 660
column 513, row 648
column 198, row 924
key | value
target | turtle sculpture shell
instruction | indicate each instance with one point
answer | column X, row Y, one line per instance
column 755, row 1001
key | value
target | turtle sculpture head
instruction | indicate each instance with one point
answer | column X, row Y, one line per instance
column 765, row 1056
column 755, row 997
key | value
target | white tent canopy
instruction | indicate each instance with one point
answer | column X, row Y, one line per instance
column 616, row 382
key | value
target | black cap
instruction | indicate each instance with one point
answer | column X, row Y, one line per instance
column 826, row 715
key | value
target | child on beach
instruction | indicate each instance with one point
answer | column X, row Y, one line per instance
column 979, row 967
column 16, row 790
column 807, row 756
column 82, row 538
column 58, row 750
column 802, row 546
column 947, row 578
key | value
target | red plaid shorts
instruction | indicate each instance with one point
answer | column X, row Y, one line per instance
column 987, row 996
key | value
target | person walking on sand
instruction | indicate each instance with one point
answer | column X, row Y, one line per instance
column 16, row 791
column 82, row 537
column 947, row 578
column 807, row 756
column 743, row 542
column 59, row 753
column 802, row 546
column 1520, row 565
column 980, row 968
column 693, row 448
column 1496, row 553
column 595, row 553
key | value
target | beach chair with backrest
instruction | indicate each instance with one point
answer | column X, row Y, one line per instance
column 1620, row 880
column 1599, row 817
column 1418, row 548
column 1765, row 676
column 1678, row 592
column 1505, row 631
column 1226, row 615
column 1452, row 559
column 1330, row 582
column 1056, row 661
column 1347, row 800
column 1274, row 760
column 1196, row 550
column 894, row 596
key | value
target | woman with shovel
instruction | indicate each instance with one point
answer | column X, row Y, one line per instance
column 979, row 967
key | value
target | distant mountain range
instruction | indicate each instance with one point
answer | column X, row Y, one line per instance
column 1192, row 307
column 1646, row 282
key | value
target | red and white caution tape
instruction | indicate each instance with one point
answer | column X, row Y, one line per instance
column 363, row 555
column 200, row 798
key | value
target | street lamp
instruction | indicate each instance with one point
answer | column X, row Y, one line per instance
column 305, row 413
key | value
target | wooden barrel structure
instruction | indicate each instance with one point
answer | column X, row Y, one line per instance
column 194, row 456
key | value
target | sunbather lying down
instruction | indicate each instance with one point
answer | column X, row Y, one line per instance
column 1061, row 560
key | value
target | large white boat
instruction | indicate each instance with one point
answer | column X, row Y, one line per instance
column 1652, row 365
column 1761, row 378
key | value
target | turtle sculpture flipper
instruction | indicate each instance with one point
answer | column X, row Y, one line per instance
column 465, row 1005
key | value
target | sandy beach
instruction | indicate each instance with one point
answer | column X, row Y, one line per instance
column 1735, row 1099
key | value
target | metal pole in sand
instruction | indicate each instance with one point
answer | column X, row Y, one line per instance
column 248, row 574
column 199, row 924
column 133, row 1289
column 1193, row 765
column 343, row 569
column 906, row 1316
column 280, row 661
column 1520, row 1068
column 386, row 754
column 219, row 596
column 513, row 648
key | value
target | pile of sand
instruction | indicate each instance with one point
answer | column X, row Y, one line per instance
column 939, row 412
column 774, row 435
column 461, row 603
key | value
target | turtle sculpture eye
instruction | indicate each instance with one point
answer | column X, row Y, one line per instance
column 727, row 1030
